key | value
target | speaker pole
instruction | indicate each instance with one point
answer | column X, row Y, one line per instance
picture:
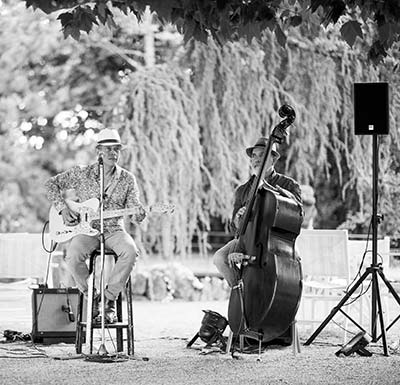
column 375, row 287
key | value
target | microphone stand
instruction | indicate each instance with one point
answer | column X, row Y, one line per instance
column 102, row 349
column 102, row 354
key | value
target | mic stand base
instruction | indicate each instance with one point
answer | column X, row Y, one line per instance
column 107, row 358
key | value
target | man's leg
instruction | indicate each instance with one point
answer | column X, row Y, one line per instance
column 78, row 251
column 221, row 262
column 125, row 248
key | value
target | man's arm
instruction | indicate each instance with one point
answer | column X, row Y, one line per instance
column 58, row 183
column 132, row 200
column 237, row 212
column 293, row 193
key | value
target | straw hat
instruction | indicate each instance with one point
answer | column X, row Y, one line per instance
column 108, row 137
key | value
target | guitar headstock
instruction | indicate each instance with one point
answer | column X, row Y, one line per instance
column 162, row 208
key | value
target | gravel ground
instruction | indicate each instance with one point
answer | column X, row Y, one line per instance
column 161, row 357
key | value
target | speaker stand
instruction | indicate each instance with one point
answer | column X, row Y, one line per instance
column 375, row 270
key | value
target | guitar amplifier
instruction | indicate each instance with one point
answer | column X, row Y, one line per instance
column 54, row 313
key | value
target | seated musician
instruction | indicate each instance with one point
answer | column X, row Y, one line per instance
column 225, row 258
column 120, row 191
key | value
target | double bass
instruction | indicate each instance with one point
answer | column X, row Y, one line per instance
column 265, row 300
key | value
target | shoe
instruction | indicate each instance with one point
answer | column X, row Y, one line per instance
column 109, row 312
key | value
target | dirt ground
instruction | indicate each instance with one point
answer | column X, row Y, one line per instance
column 162, row 331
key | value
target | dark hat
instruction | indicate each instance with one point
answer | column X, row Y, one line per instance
column 262, row 142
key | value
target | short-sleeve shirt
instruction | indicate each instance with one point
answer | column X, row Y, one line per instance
column 121, row 191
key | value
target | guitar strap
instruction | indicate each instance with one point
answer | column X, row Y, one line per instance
column 111, row 186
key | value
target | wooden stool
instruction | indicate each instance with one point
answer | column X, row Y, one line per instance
column 119, row 326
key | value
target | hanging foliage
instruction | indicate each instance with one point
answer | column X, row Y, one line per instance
column 157, row 115
column 241, row 88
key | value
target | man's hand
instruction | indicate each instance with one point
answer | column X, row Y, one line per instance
column 240, row 258
column 238, row 216
column 234, row 258
column 268, row 185
column 70, row 218
column 140, row 215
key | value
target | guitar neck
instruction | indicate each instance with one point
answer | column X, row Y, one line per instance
column 117, row 213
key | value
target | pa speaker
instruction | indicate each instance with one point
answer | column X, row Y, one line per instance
column 54, row 314
column 371, row 108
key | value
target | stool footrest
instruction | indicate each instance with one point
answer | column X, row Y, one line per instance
column 109, row 326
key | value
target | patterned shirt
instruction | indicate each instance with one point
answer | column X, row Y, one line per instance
column 120, row 192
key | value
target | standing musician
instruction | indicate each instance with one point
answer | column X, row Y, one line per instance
column 224, row 259
column 120, row 191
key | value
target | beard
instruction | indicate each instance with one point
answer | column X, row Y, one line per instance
column 256, row 170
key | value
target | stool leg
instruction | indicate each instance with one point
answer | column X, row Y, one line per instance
column 120, row 345
column 79, row 326
column 295, row 338
column 89, row 312
column 229, row 343
column 241, row 342
column 130, row 329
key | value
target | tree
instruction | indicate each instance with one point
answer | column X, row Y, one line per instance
column 230, row 19
column 54, row 95
column 207, row 106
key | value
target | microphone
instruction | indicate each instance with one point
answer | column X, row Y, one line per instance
column 100, row 158
column 67, row 309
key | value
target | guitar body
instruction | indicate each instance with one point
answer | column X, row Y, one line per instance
column 60, row 232
column 88, row 212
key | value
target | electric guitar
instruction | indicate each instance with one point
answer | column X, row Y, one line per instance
column 88, row 212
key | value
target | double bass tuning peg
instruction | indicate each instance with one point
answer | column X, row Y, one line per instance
column 287, row 111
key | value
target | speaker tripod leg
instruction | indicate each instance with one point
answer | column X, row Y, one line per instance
column 383, row 329
column 389, row 286
column 337, row 307
column 395, row 295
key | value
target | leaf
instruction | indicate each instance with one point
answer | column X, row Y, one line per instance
column 388, row 32
column 85, row 19
column 221, row 4
column 280, row 36
column 111, row 22
column 73, row 31
column 85, row 23
column 190, row 27
column 285, row 14
column 65, row 18
column 101, row 7
column 295, row 21
column 100, row 10
column 200, row 34
column 350, row 31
